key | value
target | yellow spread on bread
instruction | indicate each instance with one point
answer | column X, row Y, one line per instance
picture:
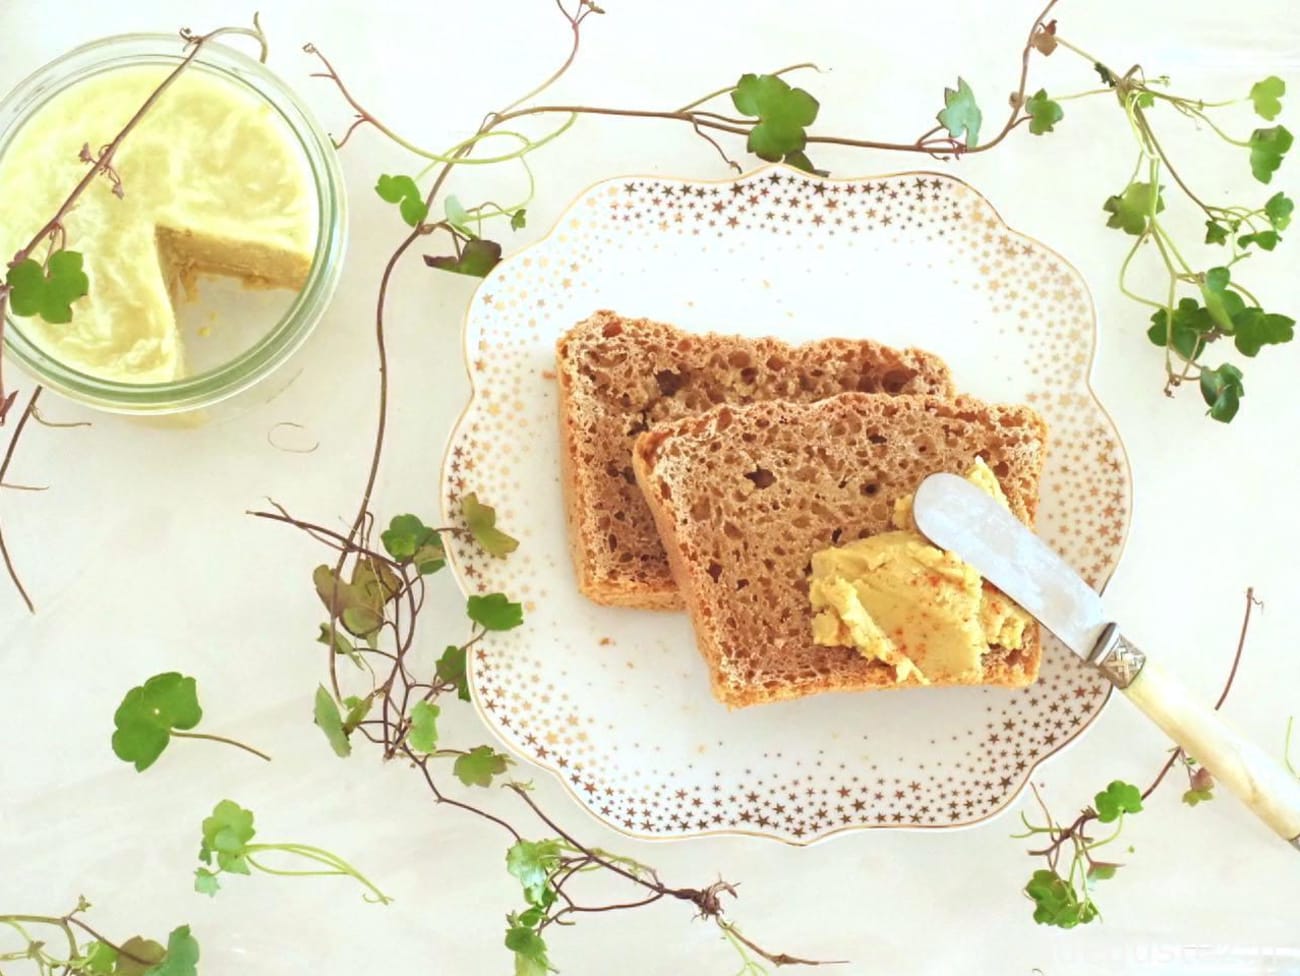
column 899, row 599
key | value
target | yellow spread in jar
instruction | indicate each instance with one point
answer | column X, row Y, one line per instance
column 212, row 181
column 899, row 599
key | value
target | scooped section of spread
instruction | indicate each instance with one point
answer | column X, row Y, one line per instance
column 899, row 599
column 211, row 181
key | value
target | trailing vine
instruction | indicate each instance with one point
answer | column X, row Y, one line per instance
column 379, row 692
column 1064, row 898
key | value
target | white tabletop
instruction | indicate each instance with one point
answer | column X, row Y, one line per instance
column 141, row 558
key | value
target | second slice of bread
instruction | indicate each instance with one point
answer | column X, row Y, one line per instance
column 743, row 497
column 620, row 376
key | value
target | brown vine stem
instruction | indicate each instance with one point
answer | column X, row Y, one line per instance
column 335, row 540
column 73, row 920
column 64, row 924
column 1177, row 754
column 1087, row 816
column 708, row 900
column 706, row 121
column 27, row 414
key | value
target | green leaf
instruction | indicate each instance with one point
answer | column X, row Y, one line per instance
column 1278, row 210
column 1267, row 147
column 423, row 733
column 343, row 604
column 226, row 835
column 961, row 113
column 1130, row 210
column 479, row 765
column 339, row 643
column 457, row 216
column 1193, row 797
column 1255, row 328
column 329, row 719
column 1215, row 232
column 530, row 951
column 1265, row 240
column 357, row 710
column 481, row 520
column 1102, row 871
column 1191, row 323
column 358, row 605
column 1117, row 798
column 799, row 160
column 137, row 948
column 182, row 957
column 205, row 882
column 1056, row 902
column 783, row 114
column 1222, row 389
column 532, row 862
column 1267, row 97
column 1043, row 113
column 375, row 581
column 97, row 959
column 519, row 219
column 494, row 611
column 1222, row 303
column 1145, row 99
column 451, row 671
column 48, row 291
column 148, row 713
column 402, row 191
column 408, row 539
column 477, row 258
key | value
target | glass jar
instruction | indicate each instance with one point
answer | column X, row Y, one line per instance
column 262, row 356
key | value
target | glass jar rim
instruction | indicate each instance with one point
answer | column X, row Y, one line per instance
column 284, row 338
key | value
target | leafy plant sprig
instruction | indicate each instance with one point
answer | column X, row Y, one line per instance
column 52, row 944
column 373, row 601
column 776, row 117
column 166, row 706
column 228, row 843
column 1063, row 897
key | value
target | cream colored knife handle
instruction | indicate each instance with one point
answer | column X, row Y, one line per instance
column 1258, row 779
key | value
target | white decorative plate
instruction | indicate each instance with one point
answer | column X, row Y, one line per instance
column 616, row 702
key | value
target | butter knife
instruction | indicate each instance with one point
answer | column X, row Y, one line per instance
column 962, row 519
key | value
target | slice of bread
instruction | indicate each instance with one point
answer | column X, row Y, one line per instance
column 743, row 497
column 618, row 377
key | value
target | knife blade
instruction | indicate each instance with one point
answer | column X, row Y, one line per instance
column 966, row 521
column 958, row 516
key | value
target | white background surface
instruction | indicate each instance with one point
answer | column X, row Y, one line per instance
column 141, row 559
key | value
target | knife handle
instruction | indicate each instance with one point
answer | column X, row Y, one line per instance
column 1258, row 779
